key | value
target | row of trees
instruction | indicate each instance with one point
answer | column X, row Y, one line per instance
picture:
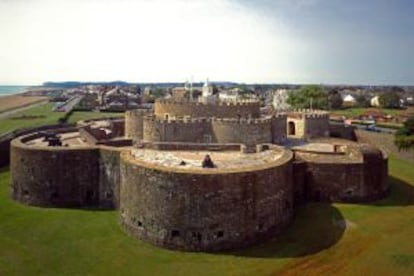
column 404, row 137
column 315, row 96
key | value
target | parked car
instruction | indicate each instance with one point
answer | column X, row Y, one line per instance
column 372, row 128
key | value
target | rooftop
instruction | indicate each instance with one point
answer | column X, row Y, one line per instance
column 191, row 160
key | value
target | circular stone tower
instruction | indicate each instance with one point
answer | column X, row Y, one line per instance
column 186, row 207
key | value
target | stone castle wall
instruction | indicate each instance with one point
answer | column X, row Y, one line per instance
column 317, row 126
column 205, row 210
column 328, row 177
column 192, row 130
column 205, row 130
column 342, row 131
column 176, row 108
column 109, row 177
column 250, row 132
column 64, row 176
column 60, row 177
column 134, row 124
column 278, row 128
column 308, row 125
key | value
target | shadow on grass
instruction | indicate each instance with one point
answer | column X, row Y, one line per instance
column 402, row 194
column 316, row 227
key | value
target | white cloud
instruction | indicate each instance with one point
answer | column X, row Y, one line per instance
column 139, row 41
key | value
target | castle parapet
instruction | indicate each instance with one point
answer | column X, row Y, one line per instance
column 164, row 108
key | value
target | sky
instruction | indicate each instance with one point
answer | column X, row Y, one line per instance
column 264, row 41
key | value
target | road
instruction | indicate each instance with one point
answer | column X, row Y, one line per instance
column 364, row 127
column 70, row 104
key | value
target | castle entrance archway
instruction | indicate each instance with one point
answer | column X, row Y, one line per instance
column 291, row 128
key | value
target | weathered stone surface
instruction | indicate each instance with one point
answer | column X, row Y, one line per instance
column 175, row 108
column 134, row 124
column 54, row 176
column 205, row 210
column 65, row 176
column 356, row 173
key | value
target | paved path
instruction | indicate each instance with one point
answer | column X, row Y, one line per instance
column 386, row 142
column 19, row 109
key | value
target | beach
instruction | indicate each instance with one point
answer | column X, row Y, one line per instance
column 11, row 102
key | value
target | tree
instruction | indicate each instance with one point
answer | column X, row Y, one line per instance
column 309, row 96
column 335, row 100
column 389, row 100
column 215, row 89
column 158, row 93
column 362, row 101
column 404, row 137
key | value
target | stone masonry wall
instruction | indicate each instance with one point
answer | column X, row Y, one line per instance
column 176, row 108
column 58, row 177
column 249, row 132
column 205, row 211
column 308, row 125
column 109, row 177
column 299, row 128
column 342, row 131
column 134, row 124
column 316, row 126
column 278, row 128
column 363, row 178
column 176, row 131
column 65, row 176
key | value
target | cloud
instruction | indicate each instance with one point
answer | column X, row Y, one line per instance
column 249, row 41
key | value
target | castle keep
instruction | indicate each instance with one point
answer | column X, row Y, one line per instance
column 148, row 166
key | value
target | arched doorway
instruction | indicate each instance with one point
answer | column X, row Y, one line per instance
column 291, row 128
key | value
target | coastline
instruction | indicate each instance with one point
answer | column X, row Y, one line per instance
column 11, row 90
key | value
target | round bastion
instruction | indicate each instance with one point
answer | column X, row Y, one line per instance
column 167, row 199
column 171, row 108
column 338, row 170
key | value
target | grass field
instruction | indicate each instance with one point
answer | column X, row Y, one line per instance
column 354, row 112
column 14, row 101
column 43, row 115
column 372, row 239
column 85, row 115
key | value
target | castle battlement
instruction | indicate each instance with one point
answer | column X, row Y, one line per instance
column 181, row 102
column 191, row 120
column 308, row 114
column 279, row 115
column 317, row 116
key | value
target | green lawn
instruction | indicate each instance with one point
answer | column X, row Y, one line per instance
column 85, row 115
column 378, row 240
column 43, row 115
column 356, row 111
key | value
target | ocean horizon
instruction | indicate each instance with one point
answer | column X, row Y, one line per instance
column 12, row 89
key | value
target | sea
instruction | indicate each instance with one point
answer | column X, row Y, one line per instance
column 11, row 89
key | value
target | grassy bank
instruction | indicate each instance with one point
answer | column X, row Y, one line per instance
column 373, row 239
column 357, row 111
column 36, row 116
column 86, row 115
column 16, row 101
column 43, row 115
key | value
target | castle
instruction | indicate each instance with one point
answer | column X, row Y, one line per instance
column 148, row 166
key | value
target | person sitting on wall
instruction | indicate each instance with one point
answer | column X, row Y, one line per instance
column 207, row 162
